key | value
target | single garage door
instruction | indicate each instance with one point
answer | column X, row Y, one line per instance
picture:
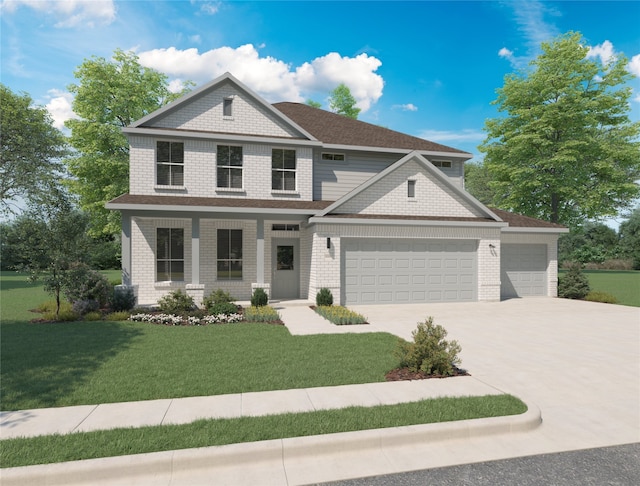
column 523, row 270
column 377, row 271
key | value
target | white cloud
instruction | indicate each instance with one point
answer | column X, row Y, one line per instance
column 406, row 107
column 272, row 78
column 466, row 135
column 209, row 8
column 59, row 107
column 634, row 65
column 506, row 53
column 604, row 51
column 70, row 13
column 196, row 39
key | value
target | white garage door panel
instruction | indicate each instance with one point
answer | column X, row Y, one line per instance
column 523, row 270
column 387, row 271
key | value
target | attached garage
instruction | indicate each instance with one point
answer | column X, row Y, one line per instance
column 523, row 270
column 382, row 271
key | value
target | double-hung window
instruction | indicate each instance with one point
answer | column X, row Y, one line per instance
column 229, row 165
column 170, row 163
column 169, row 254
column 229, row 254
column 283, row 170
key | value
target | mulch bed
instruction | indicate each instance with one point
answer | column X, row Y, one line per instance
column 400, row 374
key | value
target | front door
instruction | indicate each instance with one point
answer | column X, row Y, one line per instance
column 285, row 262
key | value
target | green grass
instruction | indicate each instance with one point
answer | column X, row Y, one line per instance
column 203, row 433
column 75, row 363
column 623, row 285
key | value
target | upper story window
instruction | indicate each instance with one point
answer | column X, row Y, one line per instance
column 411, row 188
column 227, row 107
column 330, row 156
column 285, row 227
column 229, row 167
column 169, row 254
column 283, row 170
column 445, row 164
column 170, row 163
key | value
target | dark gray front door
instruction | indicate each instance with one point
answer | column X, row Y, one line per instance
column 285, row 262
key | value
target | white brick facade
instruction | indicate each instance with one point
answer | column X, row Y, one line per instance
column 389, row 196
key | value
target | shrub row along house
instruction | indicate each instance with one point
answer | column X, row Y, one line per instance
column 228, row 191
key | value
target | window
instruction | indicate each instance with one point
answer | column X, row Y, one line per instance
column 411, row 188
column 442, row 163
column 227, row 105
column 328, row 156
column 285, row 227
column 169, row 254
column 229, row 162
column 229, row 254
column 283, row 170
column 170, row 163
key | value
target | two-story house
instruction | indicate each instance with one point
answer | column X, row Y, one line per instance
column 228, row 191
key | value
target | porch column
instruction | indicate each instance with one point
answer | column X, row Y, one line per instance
column 195, row 251
column 260, row 250
column 126, row 248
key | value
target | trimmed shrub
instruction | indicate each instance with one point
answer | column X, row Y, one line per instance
column 222, row 308
column 574, row 284
column 599, row 296
column 263, row 313
column 92, row 316
column 82, row 307
column 176, row 302
column 218, row 296
column 324, row 297
column 122, row 299
column 429, row 352
column 259, row 298
column 65, row 315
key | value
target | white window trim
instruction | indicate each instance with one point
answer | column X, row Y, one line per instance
column 184, row 166
column 241, row 167
column 295, row 172
column 322, row 159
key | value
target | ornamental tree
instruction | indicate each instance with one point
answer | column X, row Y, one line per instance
column 565, row 151
column 110, row 94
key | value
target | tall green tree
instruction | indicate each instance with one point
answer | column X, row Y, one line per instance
column 630, row 238
column 341, row 101
column 565, row 151
column 110, row 94
column 477, row 181
column 31, row 149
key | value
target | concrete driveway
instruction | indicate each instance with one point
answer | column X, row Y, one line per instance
column 578, row 361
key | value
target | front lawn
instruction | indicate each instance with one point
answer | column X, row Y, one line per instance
column 204, row 433
column 624, row 285
column 74, row 363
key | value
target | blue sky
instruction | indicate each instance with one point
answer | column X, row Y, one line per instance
column 427, row 68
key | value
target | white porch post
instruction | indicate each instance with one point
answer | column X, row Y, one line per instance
column 195, row 289
column 126, row 248
column 260, row 259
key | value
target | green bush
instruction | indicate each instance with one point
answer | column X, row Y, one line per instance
column 340, row 315
column 259, row 298
column 92, row 316
column 573, row 284
column 429, row 352
column 122, row 299
column 263, row 313
column 324, row 297
column 82, row 307
column 222, row 308
column 218, row 296
column 176, row 302
column 599, row 296
column 83, row 283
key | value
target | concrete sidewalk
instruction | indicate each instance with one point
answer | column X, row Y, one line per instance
column 85, row 418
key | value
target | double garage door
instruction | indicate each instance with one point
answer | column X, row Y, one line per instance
column 523, row 270
column 381, row 271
